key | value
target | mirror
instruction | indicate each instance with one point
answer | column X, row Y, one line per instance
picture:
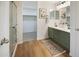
column 54, row 14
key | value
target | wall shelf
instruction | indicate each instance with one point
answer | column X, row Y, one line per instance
column 30, row 15
column 29, row 12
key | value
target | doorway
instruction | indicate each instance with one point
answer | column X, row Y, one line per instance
column 29, row 21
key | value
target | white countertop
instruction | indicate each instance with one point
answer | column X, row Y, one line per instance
column 62, row 29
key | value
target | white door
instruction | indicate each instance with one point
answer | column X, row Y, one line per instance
column 74, row 41
column 4, row 28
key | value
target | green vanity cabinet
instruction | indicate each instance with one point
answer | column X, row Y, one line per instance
column 60, row 37
column 50, row 33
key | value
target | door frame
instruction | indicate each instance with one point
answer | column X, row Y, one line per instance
column 10, row 4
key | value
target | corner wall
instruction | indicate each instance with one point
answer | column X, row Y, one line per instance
column 19, row 22
column 42, row 26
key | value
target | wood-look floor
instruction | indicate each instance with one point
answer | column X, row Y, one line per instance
column 32, row 49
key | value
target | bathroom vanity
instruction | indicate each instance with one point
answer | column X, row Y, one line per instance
column 59, row 36
column 59, row 27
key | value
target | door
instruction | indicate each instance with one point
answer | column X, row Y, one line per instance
column 4, row 28
column 74, row 41
column 13, row 26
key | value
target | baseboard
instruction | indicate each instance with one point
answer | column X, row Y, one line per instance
column 19, row 42
column 59, row 53
column 43, row 39
column 70, row 54
column 16, row 48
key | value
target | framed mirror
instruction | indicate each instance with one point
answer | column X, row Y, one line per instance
column 54, row 14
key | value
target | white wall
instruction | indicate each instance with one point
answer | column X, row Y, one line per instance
column 74, row 35
column 42, row 27
column 4, row 27
column 29, row 24
column 19, row 22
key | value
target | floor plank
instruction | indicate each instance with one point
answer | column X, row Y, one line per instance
column 32, row 49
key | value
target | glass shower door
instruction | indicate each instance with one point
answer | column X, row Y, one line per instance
column 13, row 26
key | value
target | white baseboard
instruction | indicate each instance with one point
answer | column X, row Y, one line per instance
column 16, row 48
column 59, row 53
column 20, row 42
column 42, row 39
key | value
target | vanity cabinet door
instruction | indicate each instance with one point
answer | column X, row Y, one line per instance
column 50, row 32
column 62, row 38
column 65, row 39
